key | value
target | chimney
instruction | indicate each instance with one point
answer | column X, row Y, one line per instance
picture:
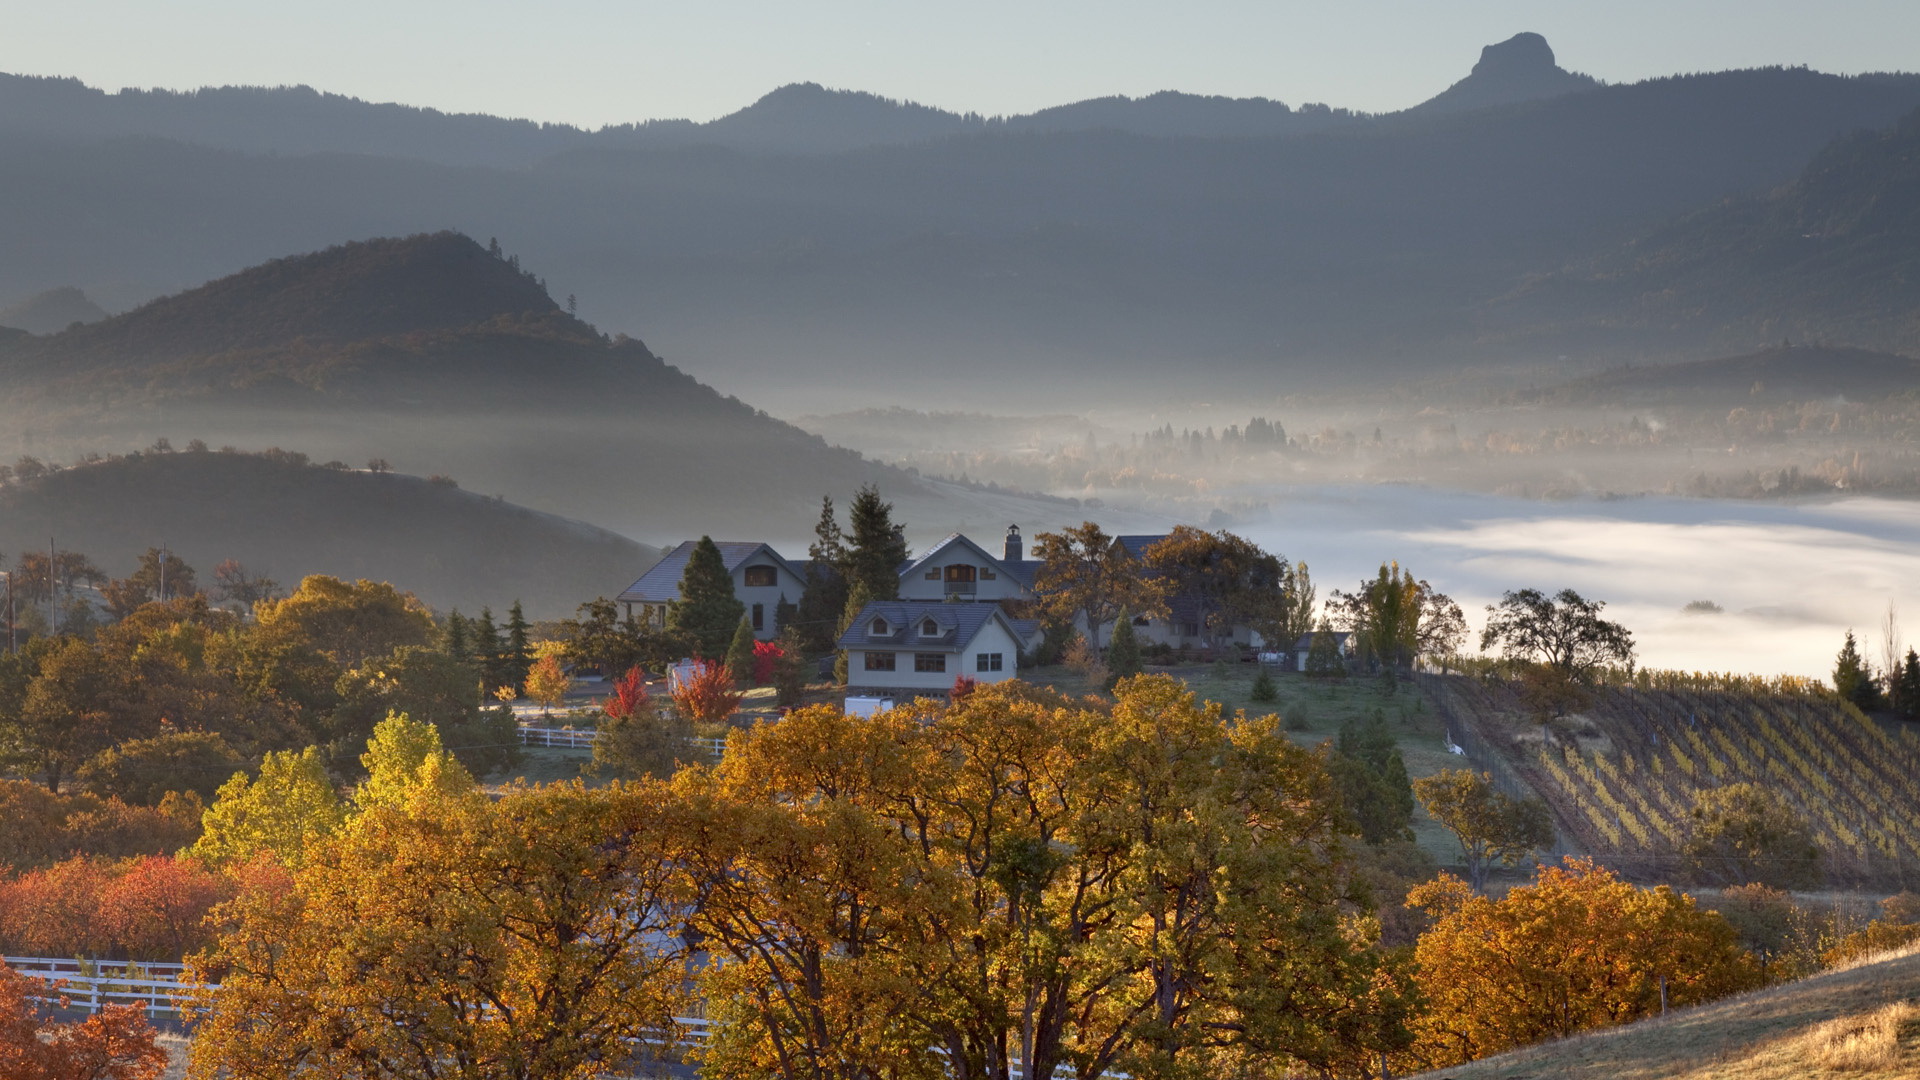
column 1015, row 553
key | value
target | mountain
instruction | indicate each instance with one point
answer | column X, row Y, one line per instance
column 283, row 517
column 1518, row 69
column 948, row 269
column 55, row 309
column 1788, row 373
column 1832, row 256
column 444, row 357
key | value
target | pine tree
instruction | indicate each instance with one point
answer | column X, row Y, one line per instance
column 1264, row 690
column 1852, row 678
column 790, row 671
column 1909, row 682
column 516, row 658
column 707, row 609
column 879, row 546
column 457, row 643
column 1123, row 652
column 486, row 649
column 740, row 654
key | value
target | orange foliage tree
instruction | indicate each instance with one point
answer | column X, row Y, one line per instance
column 707, row 696
column 150, row 909
column 114, row 1044
column 1578, row 949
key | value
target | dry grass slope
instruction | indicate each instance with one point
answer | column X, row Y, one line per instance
column 1860, row 1022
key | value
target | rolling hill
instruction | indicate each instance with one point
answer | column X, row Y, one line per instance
column 1786, row 373
column 285, row 518
column 443, row 357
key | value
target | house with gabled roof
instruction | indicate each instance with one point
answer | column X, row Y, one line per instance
column 916, row 648
column 957, row 568
column 1181, row 625
column 762, row 580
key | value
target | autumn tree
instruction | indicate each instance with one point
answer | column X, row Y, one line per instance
column 66, row 715
column 404, row 759
column 157, row 907
column 1224, row 579
column 159, row 575
column 345, row 622
column 143, row 771
column 1148, row 888
column 1492, row 826
column 707, row 610
column 1398, row 620
column 707, row 696
column 535, row 937
column 635, row 738
column 113, row 1044
column 1744, row 834
column 1564, row 632
column 547, row 682
column 290, row 805
column 790, row 669
column 1578, row 949
column 432, row 688
column 1083, row 574
column 1297, row 612
column 598, row 637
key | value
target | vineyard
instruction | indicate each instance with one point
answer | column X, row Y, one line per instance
column 1624, row 772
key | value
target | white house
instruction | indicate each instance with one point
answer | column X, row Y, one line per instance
column 762, row 580
column 917, row 648
column 1343, row 644
column 956, row 568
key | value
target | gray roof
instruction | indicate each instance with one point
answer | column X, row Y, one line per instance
column 661, row 584
column 1022, row 571
column 959, row 624
column 1137, row 546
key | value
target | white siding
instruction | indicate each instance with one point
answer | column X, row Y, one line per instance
column 992, row 638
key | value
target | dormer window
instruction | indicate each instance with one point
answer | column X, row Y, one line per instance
column 929, row 628
column 878, row 627
column 761, row 577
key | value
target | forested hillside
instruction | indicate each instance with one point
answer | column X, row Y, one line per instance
column 284, row 517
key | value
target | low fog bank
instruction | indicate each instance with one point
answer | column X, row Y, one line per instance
column 1791, row 578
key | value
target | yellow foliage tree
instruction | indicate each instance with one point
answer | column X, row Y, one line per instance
column 290, row 806
column 547, row 682
column 1578, row 949
column 403, row 757
column 528, row 938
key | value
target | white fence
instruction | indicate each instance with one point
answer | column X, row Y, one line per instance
column 582, row 739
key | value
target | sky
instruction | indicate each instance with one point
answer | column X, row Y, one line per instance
column 594, row 62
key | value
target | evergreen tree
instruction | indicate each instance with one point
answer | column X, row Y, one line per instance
column 740, row 654
column 790, row 671
column 856, row 599
column 1123, row 652
column 486, row 649
column 1263, row 690
column 707, row 610
column 1909, row 682
column 1371, row 774
column 517, row 657
column 1852, row 678
column 1323, row 656
column 879, row 546
column 825, row 596
column 457, row 642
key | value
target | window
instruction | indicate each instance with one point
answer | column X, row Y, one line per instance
column 761, row 577
column 878, row 661
column 759, row 617
column 988, row 661
column 878, row 628
column 929, row 661
column 960, row 572
column 929, row 628
column 988, row 575
column 933, row 574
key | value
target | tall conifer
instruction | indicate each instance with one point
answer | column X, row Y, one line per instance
column 707, row 609
column 878, row 548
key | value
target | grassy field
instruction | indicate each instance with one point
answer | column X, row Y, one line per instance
column 1313, row 710
column 1861, row 1022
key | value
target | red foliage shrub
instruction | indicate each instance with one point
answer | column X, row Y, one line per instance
column 707, row 696
column 766, row 655
column 114, row 1044
column 157, row 909
column 629, row 698
column 962, row 686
